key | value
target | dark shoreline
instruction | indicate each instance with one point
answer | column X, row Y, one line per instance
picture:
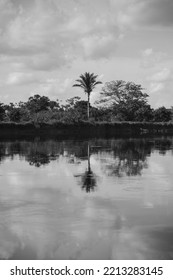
column 84, row 129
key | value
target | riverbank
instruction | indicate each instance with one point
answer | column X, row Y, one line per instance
column 88, row 129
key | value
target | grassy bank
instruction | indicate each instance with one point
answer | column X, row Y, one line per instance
column 88, row 129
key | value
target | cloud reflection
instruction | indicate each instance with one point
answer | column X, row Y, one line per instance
column 45, row 215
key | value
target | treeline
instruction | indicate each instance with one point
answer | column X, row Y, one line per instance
column 119, row 101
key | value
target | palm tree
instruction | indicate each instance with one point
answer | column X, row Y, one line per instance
column 87, row 81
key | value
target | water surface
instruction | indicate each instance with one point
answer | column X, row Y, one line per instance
column 92, row 199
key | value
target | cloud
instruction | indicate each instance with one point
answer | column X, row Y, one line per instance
column 7, row 12
column 97, row 47
column 162, row 76
column 35, row 32
column 147, row 52
column 54, row 87
column 160, row 84
column 19, row 78
column 156, row 87
column 50, row 34
column 35, row 37
column 151, row 58
column 138, row 13
column 157, row 75
column 159, row 80
column 155, row 12
column 44, row 39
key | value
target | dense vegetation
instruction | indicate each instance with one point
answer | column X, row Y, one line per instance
column 119, row 101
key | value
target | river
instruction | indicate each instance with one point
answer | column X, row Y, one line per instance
column 86, row 199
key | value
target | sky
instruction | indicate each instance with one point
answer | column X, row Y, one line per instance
column 45, row 45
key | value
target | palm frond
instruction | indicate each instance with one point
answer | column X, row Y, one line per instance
column 87, row 81
column 77, row 85
column 97, row 83
column 81, row 82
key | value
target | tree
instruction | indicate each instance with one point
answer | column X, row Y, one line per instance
column 14, row 114
column 112, row 93
column 87, row 81
column 54, row 105
column 125, row 99
column 38, row 103
column 2, row 111
column 144, row 114
column 162, row 114
column 70, row 103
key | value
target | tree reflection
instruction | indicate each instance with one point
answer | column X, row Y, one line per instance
column 37, row 152
column 38, row 159
column 128, row 158
column 2, row 152
column 40, row 153
column 89, row 181
column 163, row 146
column 117, row 157
column 88, row 178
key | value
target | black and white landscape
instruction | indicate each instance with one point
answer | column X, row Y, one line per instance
column 86, row 129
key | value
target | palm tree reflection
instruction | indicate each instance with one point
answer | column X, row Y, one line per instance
column 88, row 178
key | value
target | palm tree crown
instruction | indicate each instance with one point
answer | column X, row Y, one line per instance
column 87, row 81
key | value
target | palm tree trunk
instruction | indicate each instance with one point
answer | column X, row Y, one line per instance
column 88, row 106
column 89, row 166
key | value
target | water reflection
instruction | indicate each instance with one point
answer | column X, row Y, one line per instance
column 124, row 210
column 129, row 158
column 120, row 156
column 88, row 179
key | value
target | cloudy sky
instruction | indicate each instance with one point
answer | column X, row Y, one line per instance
column 46, row 44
